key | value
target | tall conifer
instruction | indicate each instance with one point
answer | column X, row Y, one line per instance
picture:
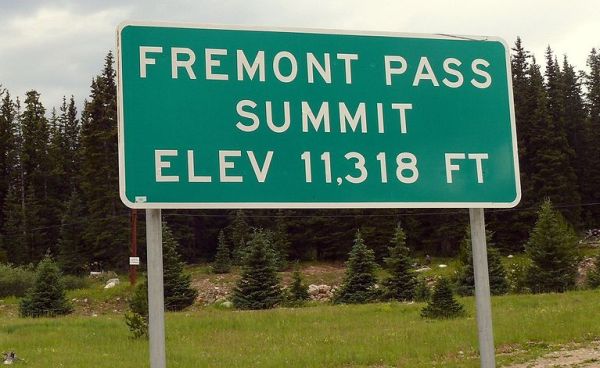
column 592, row 189
column 106, row 232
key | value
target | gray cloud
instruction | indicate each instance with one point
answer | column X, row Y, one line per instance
column 58, row 46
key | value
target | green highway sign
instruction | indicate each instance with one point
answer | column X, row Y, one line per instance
column 231, row 117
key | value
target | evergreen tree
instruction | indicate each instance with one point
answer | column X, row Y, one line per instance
column 70, row 144
column 402, row 281
column 592, row 188
column 567, row 192
column 70, row 244
column 511, row 227
column 136, row 317
column 577, row 128
column 552, row 249
column 7, row 146
column 497, row 273
column 298, row 290
column 551, row 173
column 222, row 262
column 280, row 241
column 239, row 232
column 258, row 286
column 39, row 207
column 107, row 227
column 47, row 297
column 178, row 292
column 34, row 227
column 14, row 234
column 359, row 281
column 422, row 291
column 442, row 303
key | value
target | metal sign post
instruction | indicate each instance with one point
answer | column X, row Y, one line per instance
column 156, row 304
column 482, row 288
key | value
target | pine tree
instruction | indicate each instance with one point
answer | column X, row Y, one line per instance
column 567, row 180
column 402, row 281
column 107, row 220
column 466, row 277
column 258, row 286
column 239, row 232
column 70, row 244
column 592, row 187
column 34, row 229
column 222, row 262
column 442, row 303
column 577, row 128
column 298, row 290
column 47, row 297
column 280, row 241
column 552, row 249
column 70, row 143
column 39, row 207
column 178, row 292
column 511, row 227
column 136, row 317
column 422, row 291
column 359, row 281
column 7, row 146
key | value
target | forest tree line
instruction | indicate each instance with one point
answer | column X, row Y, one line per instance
column 59, row 181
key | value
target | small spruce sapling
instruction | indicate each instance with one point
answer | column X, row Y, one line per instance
column 359, row 282
column 442, row 303
column 497, row 273
column 258, row 286
column 298, row 292
column 222, row 262
column 552, row 248
column 178, row 291
column 136, row 317
column 47, row 297
column 402, row 282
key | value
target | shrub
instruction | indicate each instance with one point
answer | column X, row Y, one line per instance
column 15, row 281
column 72, row 282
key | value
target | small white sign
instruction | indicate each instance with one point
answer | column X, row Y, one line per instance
column 134, row 261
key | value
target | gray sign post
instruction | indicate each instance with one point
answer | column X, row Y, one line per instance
column 156, row 304
column 482, row 288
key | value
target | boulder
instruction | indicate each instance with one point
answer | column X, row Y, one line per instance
column 313, row 289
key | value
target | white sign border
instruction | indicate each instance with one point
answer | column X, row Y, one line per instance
column 306, row 205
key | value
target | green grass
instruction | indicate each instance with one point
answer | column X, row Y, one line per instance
column 375, row 335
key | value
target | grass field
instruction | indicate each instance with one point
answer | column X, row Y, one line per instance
column 375, row 335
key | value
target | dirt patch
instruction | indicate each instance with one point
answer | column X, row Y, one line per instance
column 567, row 357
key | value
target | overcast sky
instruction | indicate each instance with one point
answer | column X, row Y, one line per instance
column 57, row 47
